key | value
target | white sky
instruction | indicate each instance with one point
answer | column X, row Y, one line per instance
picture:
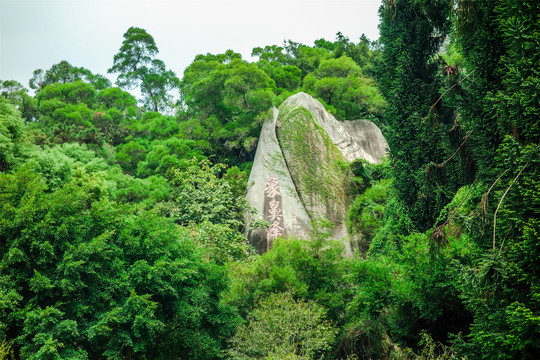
column 39, row 33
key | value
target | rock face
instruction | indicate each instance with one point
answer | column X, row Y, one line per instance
column 269, row 164
column 300, row 169
column 357, row 139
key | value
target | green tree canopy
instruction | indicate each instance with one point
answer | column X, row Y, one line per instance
column 201, row 194
column 417, row 126
column 64, row 73
column 281, row 327
column 83, row 277
column 137, row 66
column 228, row 98
column 18, row 96
column 341, row 84
column 11, row 129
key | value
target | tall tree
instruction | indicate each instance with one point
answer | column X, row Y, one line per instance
column 500, row 41
column 137, row 67
column 415, row 123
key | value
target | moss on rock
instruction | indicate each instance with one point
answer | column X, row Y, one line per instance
column 317, row 166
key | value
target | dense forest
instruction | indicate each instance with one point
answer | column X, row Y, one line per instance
column 122, row 232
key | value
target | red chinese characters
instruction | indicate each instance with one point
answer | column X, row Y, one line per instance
column 274, row 214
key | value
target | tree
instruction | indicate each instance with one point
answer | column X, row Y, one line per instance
column 416, row 125
column 341, row 84
column 18, row 96
column 304, row 57
column 115, row 97
column 200, row 194
column 11, row 129
column 312, row 270
column 366, row 214
column 64, row 73
column 137, row 67
column 75, row 111
column 281, row 327
column 66, row 112
column 229, row 98
column 500, row 43
column 338, row 73
column 83, row 277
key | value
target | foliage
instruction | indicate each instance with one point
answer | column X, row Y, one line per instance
column 120, row 227
column 338, row 73
column 199, row 193
column 19, row 97
column 223, row 243
column 431, row 350
column 281, row 327
column 309, row 270
column 341, row 84
column 82, row 277
column 129, row 155
column 416, row 125
column 227, row 99
column 237, row 179
column 116, row 98
column 75, row 111
column 66, row 113
column 499, row 286
column 364, row 53
column 61, row 164
column 164, row 155
column 5, row 350
column 366, row 214
column 64, row 73
column 495, row 215
column 137, row 67
column 11, row 129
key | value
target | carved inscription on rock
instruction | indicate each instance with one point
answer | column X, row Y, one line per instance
column 273, row 211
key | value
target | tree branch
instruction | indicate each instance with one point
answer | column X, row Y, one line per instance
column 485, row 196
column 454, row 154
column 450, row 88
column 500, row 202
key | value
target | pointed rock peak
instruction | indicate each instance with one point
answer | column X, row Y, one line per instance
column 355, row 139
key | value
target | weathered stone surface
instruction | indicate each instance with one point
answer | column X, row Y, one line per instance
column 357, row 139
column 317, row 167
column 369, row 143
column 304, row 151
column 269, row 163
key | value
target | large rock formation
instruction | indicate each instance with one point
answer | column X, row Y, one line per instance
column 269, row 169
column 300, row 169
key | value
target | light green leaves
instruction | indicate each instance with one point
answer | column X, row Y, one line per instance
column 11, row 129
column 285, row 328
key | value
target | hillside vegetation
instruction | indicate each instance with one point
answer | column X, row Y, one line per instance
column 122, row 219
